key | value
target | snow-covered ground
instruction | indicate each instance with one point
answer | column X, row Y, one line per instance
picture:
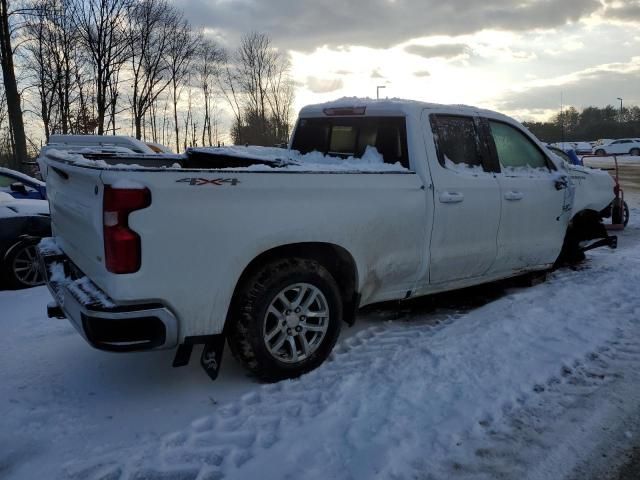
column 536, row 383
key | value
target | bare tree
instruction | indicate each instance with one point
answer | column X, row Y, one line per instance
column 228, row 83
column 258, row 88
column 14, row 106
column 256, row 62
column 101, row 25
column 39, row 62
column 281, row 95
column 151, row 23
column 51, row 53
column 208, row 68
column 181, row 52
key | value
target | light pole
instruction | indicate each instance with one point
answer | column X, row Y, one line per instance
column 620, row 109
column 378, row 91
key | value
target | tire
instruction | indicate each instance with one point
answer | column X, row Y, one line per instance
column 21, row 265
column 600, row 152
column 267, row 320
column 626, row 214
column 620, row 213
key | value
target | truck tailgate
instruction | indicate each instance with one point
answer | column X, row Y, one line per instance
column 75, row 201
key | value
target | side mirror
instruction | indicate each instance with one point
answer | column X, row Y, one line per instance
column 19, row 187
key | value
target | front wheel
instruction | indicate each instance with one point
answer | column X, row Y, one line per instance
column 600, row 152
column 634, row 152
column 286, row 319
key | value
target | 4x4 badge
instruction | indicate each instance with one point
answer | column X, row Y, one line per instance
column 197, row 182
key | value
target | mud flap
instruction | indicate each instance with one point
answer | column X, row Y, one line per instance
column 611, row 242
column 212, row 356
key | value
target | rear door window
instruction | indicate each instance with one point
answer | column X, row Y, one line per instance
column 350, row 136
column 457, row 141
column 515, row 149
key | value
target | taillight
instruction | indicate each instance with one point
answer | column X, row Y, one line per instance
column 122, row 249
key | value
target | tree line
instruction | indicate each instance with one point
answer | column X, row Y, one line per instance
column 133, row 67
column 590, row 124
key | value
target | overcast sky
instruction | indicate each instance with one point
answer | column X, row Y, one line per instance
column 516, row 56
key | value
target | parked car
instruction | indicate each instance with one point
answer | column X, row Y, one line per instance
column 603, row 141
column 158, row 147
column 583, row 148
column 19, row 185
column 624, row 146
column 562, row 154
column 22, row 224
column 374, row 201
column 119, row 148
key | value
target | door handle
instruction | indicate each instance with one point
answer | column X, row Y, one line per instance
column 451, row 197
column 513, row 196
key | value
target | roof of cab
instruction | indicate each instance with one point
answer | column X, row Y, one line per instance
column 392, row 107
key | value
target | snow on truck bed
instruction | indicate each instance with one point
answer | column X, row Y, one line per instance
column 270, row 159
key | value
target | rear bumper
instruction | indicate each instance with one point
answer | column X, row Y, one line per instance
column 104, row 324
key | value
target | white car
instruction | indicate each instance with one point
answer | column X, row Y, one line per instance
column 272, row 249
column 624, row 146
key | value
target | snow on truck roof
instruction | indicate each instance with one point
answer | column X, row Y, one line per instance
column 388, row 106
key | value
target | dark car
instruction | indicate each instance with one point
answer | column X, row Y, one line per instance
column 22, row 224
column 19, row 185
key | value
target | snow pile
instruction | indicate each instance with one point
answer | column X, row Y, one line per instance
column 274, row 160
column 464, row 168
column 527, row 171
column 48, row 246
column 292, row 160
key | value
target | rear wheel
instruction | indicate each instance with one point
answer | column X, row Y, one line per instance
column 22, row 267
column 635, row 152
column 285, row 319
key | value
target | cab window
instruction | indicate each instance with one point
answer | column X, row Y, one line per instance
column 350, row 137
column 514, row 148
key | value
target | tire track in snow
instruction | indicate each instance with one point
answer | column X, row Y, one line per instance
column 227, row 439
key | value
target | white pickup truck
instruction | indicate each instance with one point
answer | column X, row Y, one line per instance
column 272, row 249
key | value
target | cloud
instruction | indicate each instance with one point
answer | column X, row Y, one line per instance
column 445, row 50
column 597, row 86
column 628, row 10
column 421, row 74
column 376, row 74
column 305, row 25
column 324, row 85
